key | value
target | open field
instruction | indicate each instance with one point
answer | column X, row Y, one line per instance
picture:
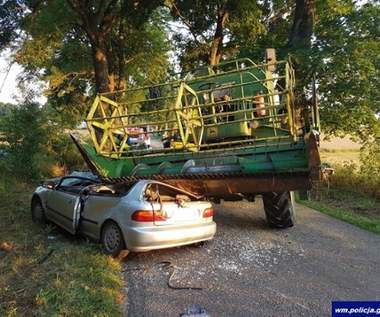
column 339, row 151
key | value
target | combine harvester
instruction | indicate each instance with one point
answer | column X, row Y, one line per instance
column 231, row 132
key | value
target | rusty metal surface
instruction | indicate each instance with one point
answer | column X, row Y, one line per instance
column 314, row 157
column 231, row 183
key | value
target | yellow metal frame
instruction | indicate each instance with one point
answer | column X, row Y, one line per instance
column 109, row 121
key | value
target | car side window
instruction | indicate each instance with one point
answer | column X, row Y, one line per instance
column 119, row 189
column 73, row 184
column 69, row 181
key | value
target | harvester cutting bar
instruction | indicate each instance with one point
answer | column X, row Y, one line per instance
column 222, row 184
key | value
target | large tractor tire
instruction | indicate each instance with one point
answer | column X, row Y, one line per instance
column 279, row 209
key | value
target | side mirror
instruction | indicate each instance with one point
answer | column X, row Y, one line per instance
column 49, row 184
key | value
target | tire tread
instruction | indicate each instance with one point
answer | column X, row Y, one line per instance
column 279, row 209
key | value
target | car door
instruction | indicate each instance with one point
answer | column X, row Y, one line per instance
column 97, row 205
column 64, row 203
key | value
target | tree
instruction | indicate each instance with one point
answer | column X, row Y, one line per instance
column 11, row 13
column 338, row 43
column 277, row 19
column 94, row 46
column 335, row 40
column 36, row 144
column 215, row 29
column 303, row 24
column 347, row 63
column 23, row 130
column 99, row 24
column 99, row 19
column 300, row 40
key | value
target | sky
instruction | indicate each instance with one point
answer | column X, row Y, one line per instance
column 9, row 93
column 8, row 84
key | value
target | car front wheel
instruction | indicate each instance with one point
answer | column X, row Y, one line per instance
column 38, row 213
column 113, row 241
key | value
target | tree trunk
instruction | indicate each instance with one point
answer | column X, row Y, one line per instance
column 217, row 42
column 121, row 84
column 303, row 24
column 97, row 24
column 101, row 69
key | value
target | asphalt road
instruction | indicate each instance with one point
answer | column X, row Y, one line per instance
column 249, row 269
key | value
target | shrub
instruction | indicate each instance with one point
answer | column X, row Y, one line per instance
column 370, row 159
column 23, row 130
column 364, row 178
column 38, row 146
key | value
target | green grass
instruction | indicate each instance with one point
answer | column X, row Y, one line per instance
column 354, row 195
column 354, row 218
column 355, row 207
column 46, row 272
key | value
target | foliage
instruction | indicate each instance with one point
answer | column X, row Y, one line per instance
column 147, row 59
column 131, row 36
column 347, row 63
column 37, row 145
column 343, row 57
column 11, row 12
column 355, row 170
column 370, row 158
column 23, row 130
column 277, row 20
column 205, row 27
column 65, row 52
column 5, row 110
column 353, row 195
column 364, row 179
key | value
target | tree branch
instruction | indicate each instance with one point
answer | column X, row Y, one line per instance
column 178, row 13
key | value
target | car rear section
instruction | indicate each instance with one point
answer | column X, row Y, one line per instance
column 168, row 219
column 144, row 238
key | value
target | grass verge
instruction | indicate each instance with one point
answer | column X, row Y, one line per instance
column 46, row 272
column 352, row 207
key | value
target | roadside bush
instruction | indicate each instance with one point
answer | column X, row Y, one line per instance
column 23, row 130
column 370, row 159
column 38, row 146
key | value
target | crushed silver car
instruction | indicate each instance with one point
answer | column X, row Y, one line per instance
column 129, row 216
